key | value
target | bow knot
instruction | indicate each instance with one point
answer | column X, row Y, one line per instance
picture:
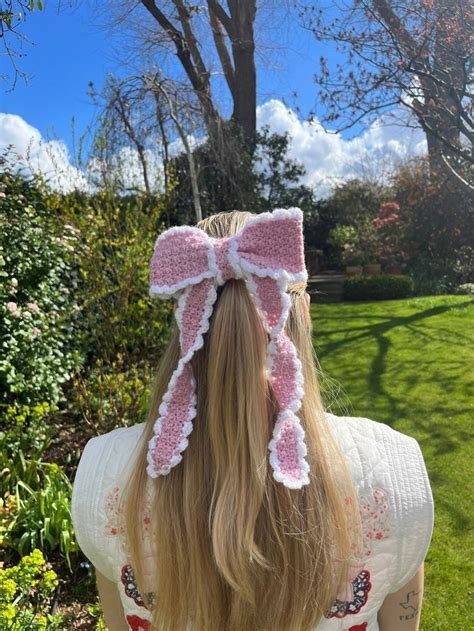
column 226, row 269
column 268, row 252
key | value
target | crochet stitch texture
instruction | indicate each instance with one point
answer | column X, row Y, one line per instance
column 189, row 265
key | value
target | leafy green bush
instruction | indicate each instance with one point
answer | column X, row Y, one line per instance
column 438, row 221
column 34, row 495
column 25, row 430
column 38, row 512
column 112, row 394
column 465, row 289
column 37, row 310
column 26, row 592
column 380, row 287
column 117, row 315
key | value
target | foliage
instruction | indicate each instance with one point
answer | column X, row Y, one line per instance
column 95, row 613
column 357, row 202
column 465, row 289
column 277, row 177
column 225, row 177
column 342, row 226
column 38, row 311
column 380, row 287
column 112, row 395
column 117, row 315
column 437, row 225
column 391, row 235
column 38, row 513
column 408, row 363
column 26, row 593
column 24, row 437
column 356, row 246
column 342, row 239
column 267, row 179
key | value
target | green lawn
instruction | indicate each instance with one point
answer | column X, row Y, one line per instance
column 410, row 363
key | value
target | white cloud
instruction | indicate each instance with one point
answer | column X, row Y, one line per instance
column 36, row 155
column 327, row 157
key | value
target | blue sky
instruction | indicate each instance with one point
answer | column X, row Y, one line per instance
column 70, row 47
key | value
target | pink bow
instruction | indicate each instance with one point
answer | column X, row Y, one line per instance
column 187, row 263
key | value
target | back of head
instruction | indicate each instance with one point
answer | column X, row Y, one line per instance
column 233, row 548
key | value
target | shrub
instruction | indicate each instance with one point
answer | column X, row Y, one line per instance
column 26, row 592
column 39, row 514
column 438, row 227
column 465, row 289
column 34, row 495
column 38, row 311
column 25, row 430
column 382, row 287
column 112, row 394
column 118, row 317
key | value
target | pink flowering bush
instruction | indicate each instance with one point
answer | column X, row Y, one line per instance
column 37, row 310
column 391, row 236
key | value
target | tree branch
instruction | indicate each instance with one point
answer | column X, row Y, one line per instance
column 219, row 40
column 224, row 19
column 183, row 14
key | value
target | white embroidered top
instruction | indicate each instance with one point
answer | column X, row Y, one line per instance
column 395, row 499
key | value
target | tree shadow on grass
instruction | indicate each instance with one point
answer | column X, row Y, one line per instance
column 457, row 512
column 390, row 323
column 441, row 436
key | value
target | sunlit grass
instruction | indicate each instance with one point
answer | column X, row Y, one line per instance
column 410, row 363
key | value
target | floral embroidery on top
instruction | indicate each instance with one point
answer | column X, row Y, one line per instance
column 360, row 588
column 115, row 524
column 138, row 624
column 127, row 578
column 374, row 514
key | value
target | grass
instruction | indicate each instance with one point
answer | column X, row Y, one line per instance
column 410, row 363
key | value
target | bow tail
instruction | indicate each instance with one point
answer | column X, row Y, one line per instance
column 287, row 447
column 178, row 407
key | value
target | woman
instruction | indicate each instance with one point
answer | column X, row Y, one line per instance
column 241, row 504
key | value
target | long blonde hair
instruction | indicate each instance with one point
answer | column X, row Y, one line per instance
column 233, row 549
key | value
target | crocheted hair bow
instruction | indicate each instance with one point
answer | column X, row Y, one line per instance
column 189, row 265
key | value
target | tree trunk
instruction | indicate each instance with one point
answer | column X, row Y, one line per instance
column 245, row 76
column 441, row 97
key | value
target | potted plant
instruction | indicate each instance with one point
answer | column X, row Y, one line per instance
column 372, row 269
column 343, row 238
column 353, row 260
column 366, row 246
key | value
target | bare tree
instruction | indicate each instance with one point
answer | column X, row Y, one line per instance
column 136, row 112
column 159, row 89
column 124, row 126
column 413, row 53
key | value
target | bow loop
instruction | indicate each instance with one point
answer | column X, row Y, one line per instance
column 271, row 245
column 182, row 256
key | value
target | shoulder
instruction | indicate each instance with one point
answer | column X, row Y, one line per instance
column 381, row 457
column 374, row 446
column 104, row 461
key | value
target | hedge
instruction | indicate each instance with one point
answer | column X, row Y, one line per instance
column 382, row 287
